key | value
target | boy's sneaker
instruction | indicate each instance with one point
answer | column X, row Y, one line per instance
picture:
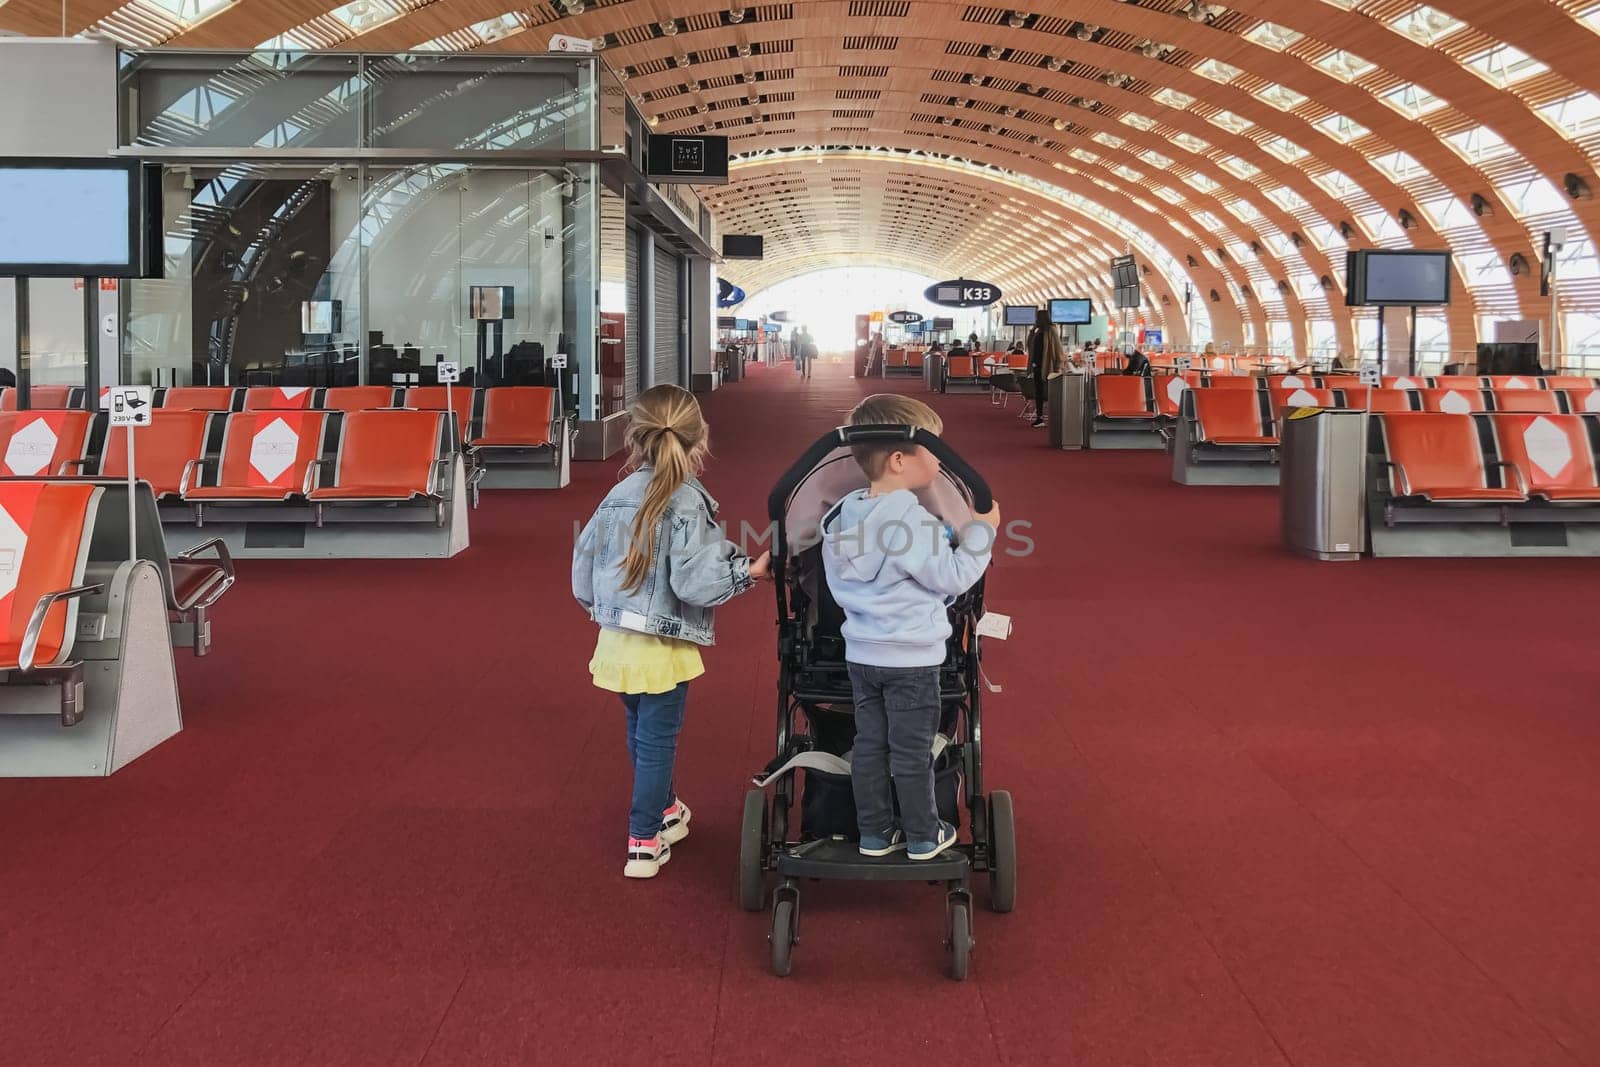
column 926, row 850
column 882, row 844
column 675, row 823
column 646, row 857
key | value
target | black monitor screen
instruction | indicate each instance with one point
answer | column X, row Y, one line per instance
column 1405, row 278
column 943, row 324
column 1071, row 312
column 71, row 218
column 1021, row 314
column 742, row 246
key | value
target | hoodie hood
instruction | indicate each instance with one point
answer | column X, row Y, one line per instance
column 854, row 533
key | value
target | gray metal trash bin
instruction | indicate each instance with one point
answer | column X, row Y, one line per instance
column 932, row 371
column 1066, row 393
column 1323, row 475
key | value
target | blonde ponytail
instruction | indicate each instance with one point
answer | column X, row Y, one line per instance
column 667, row 433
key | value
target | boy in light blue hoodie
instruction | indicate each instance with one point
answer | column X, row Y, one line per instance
column 894, row 570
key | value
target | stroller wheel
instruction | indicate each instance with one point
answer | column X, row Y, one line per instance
column 782, row 937
column 960, row 943
column 752, row 851
column 1002, row 853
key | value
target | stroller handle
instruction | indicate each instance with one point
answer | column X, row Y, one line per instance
column 844, row 436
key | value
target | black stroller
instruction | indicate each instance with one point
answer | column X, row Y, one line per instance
column 816, row 728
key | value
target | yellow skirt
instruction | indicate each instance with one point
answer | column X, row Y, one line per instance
column 629, row 662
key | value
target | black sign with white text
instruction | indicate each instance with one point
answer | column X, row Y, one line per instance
column 962, row 293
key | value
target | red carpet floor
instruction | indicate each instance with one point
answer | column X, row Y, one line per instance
column 1270, row 811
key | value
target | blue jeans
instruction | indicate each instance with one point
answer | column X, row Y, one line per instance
column 654, row 720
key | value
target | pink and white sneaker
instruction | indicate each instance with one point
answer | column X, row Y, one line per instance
column 646, row 857
column 675, row 823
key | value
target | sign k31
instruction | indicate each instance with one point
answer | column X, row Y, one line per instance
column 962, row 293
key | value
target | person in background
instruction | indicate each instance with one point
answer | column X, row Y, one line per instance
column 808, row 353
column 1045, row 360
column 1138, row 363
column 972, row 341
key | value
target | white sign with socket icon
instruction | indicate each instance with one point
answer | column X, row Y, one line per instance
column 1183, row 362
column 1369, row 374
column 130, row 405
column 558, row 361
column 449, row 372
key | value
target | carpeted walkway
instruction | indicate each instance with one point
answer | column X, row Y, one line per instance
column 1270, row 811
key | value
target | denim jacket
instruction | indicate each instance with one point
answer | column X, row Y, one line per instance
column 694, row 568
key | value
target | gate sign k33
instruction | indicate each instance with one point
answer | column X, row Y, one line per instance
column 962, row 293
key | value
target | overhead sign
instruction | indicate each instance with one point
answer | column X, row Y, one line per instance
column 778, row 316
column 905, row 318
column 962, row 293
column 129, row 405
column 690, row 159
column 565, row 42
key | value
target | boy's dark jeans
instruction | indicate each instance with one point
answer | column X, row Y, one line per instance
column 897, row 717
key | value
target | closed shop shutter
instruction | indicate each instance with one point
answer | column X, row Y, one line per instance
column 630, row 342
column 667, row 314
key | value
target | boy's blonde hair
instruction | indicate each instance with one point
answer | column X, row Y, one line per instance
column 889, row 409
column 667, row 433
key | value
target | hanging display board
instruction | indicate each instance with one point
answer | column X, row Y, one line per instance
column 962, row 293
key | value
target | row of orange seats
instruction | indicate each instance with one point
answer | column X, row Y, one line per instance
column 375, row 456
column 1498, row 459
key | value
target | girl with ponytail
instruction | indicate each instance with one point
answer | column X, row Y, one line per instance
column 649, row 568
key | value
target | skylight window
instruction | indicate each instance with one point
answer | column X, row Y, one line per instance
column 1155, row 159
column 1199, row 181
column 1504, row 65
column 1191, row 142
column 1345, row 66
column 1173, row 98
column 1283, row 148
column 1412, row 100
column 1342, row 128
column 1281, row 97
column 1137, row 121
column 1238, row 167
column 364, row 15
column 1217, row 71
column 1110, row 140
column 1229, row 121
column 1271, row 35
column 1425, row 25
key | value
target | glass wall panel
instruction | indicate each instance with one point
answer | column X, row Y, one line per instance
column 232, row 100
column 614, row 324
column 55, row 335
column 255, row 291
column 426, row 100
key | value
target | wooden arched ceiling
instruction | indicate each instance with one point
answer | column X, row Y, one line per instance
column 1251, row 142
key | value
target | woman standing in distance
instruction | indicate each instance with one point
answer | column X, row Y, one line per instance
column 1044, row 361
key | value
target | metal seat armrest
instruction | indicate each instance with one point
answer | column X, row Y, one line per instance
column 67, row 466
column 41, row 611
column 1398, row 473
column 216, row 545
column 313, row 479
column 437, row 473
column 184, row 483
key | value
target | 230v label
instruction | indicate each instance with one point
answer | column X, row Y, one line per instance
column 962, row 293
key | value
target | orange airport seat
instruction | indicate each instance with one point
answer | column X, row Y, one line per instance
column 1284, row 400
column 958, row 367
column 264, row 457
column 1529, row 400
column 1555, row 454
column 357, row 397
column 1293, row 381
column 1231, row 418
column 1121, row 396
column 1512, row 381
column 894, row 357
column 385, row 456
column 1437, row 456
column 164, row 449
column 40, row 398
column 1453, row 400
column 517, row 416
column 1364, row 398
column 45, row 546
column 1569, row 381
column 277, row 398
column 432, row 398
column 198, row 398
column 1169, row 394
column 914, row 359
column 41, row 444
column 1585, row 401
column 1017, row 361
column 1233, row 381
column 1405, row 381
